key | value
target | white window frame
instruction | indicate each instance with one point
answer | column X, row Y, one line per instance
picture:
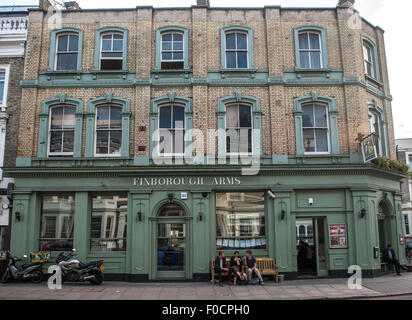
column 6, row 69
column 184, row 130
column 372, row 115
column 314, row 128
column 54, row 154
column 237, row 50
column 112, row 40
column 238, row 128
column 369, row 49
column 172, row 51
column 407, row 216
column 106, row 155
column 307, row 33
column 57, row 49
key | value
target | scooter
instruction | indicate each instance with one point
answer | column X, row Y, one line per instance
column 31, row 271
column 75, row 271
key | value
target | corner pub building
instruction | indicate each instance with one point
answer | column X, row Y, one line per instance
column 115, row 99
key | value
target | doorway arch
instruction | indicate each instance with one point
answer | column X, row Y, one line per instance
column 171, row 239
column 385, row 212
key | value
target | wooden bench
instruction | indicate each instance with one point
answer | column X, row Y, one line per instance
column 266, row 266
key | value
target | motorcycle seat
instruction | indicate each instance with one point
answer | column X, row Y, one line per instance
column 25, row 266
column 85, row 265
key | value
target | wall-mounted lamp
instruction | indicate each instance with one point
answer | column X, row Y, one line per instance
column 18, row 216
column 363, row 213
column 200, row 216
column 140, row 216
column 283, row 214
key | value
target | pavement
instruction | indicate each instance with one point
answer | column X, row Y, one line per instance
column 386, row 287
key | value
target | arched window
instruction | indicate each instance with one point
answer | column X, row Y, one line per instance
column 111, row 52
column 315, row 128
column 239, row 128
column 108, row 130
column 316, row 125
column 236, row 50
column 171, row 129
column 67, row 51
column 171, row 210
column 111, row 49
column 378, row 126
column 310, row 51
column 370, row 58
column 172, row 50
column 311, row 48
column 108, row 127
column 237, row 47
column 61, row 132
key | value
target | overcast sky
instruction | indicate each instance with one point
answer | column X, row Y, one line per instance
column 392, row 16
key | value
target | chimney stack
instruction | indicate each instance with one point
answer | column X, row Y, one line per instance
column 72, row 5
column 203, row 3
column 346, row 3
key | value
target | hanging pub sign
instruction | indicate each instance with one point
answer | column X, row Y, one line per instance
column 338, row 236
column 369, row 148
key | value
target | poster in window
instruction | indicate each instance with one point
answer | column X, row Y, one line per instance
column 337, row 236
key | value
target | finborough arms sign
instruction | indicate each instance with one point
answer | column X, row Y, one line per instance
column 184, row 181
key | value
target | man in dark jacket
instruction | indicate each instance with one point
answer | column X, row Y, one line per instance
column 220, row 266
column 389, row 256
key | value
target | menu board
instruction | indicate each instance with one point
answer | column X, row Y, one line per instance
column 338, row 236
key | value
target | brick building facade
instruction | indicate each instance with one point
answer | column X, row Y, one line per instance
column 301, row 84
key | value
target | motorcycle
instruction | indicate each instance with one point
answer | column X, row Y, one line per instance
column 75, row 271
column 31, row 271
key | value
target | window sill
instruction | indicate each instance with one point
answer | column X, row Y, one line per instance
column 157, row 73
column 242, row 73
column 374, row 81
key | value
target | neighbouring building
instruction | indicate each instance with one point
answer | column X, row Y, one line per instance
column 152, row 138
column 404, row 147
column 13, row 35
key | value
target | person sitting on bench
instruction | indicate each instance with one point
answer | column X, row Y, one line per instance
column 250, row 261
column 389, row 256
column 220, row 266
column 235, row 267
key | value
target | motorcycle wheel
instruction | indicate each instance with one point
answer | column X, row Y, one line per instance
column 98, row 277
column 6, row 276
column 36, row 276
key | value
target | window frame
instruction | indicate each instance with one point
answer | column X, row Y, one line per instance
column 57, row 49
column 323, row 46
column 265, row 210
column 374, row 52
column 102, row 231
column 172, row 105
column 44, row 115
column 6, row 69
column 91, row 125
column 250, row 45
column 171, row 29
column 59, row 154
column 251, row 120
column 103, row 155
column 330, row 103
column 374, row 108
column 172, row 32
column 98, row 46
column 317, row 128
column 236, row 50
column 54, row 46
column 170, row 99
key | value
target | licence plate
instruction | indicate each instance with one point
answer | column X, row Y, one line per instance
column 101, row 268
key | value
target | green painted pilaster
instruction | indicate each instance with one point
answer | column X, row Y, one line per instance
column 82, row 219
column 201, row 234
